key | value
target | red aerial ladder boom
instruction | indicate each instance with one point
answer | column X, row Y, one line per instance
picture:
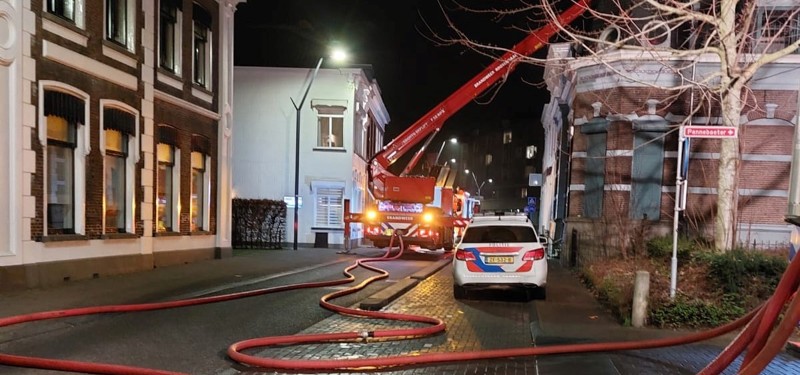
column 385, row 185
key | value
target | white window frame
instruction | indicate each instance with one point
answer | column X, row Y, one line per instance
column 177, row 43
column 130, row 162
column 206, row 226
column 176, row 190
column 508, row 137
column 82, row 150
column 320, row 186
column 130, row 32
column 330, row 126
column 80, row 12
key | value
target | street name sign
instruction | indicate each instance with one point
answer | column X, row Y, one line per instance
column 706, row 131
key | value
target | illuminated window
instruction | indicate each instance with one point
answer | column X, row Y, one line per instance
column 198, row 209
column 507, row 137
column 330, row 129
column 61, row 142
column 118, row 142
column 168, row 156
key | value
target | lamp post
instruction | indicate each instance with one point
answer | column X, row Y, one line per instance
column 336, row 55
column 479, row 186
column 452, row 140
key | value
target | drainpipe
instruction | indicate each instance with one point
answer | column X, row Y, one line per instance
column 563, row 174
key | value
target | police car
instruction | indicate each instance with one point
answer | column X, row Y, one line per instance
column 500, row 250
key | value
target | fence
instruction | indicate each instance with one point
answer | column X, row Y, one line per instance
column 258, row 223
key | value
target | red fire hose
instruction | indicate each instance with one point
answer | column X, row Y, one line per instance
column 763, row 339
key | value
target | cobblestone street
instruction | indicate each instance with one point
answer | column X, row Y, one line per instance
column 495, row 324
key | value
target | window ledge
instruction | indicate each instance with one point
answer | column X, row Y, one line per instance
column 63, row 237
column 330, row 149
column 201, row 233
column 119, row 53
column 115, row 236
column 167, row 234
column 65, row 29
column 321, row 229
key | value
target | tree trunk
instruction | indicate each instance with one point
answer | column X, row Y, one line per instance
column 727, row 186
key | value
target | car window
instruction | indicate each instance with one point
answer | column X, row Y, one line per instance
column 497, row 233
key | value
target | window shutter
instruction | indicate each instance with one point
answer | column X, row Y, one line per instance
column 120, row 120
column 65, row 106
column 329, row 206
column 167, row 135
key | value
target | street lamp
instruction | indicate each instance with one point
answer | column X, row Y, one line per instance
column 452, row 140
column 479, row 186
column 336, row 55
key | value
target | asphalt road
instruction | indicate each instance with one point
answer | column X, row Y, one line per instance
column 192, row 339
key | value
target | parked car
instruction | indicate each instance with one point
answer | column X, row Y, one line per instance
column 500, row 250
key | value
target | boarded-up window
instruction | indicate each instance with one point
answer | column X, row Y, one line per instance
column 646, row 176
column 596, row 135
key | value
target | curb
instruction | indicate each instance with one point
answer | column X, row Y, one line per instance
column 384, row 297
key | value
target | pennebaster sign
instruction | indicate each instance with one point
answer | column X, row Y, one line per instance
column 708, row 131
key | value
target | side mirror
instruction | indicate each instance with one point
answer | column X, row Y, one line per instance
column 544, row 240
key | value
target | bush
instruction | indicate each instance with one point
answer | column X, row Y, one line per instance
column 746, row 272
column 683, row 313
column 661, row 247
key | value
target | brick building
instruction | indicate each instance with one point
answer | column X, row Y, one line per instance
column 612, row 147
column 119, row 116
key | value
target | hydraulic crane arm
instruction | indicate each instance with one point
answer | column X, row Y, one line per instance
column 432, row 121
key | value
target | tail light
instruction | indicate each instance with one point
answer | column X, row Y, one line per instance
column 462, row 254
column 534, row 254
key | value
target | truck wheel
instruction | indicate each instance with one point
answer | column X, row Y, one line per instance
column 459, row 292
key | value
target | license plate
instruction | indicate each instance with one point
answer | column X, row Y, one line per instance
column 499, row 260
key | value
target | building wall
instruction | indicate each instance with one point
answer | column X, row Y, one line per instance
column 55, row 54
column 264, row 144
column 766, row 144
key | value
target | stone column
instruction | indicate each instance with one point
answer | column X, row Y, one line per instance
column 225, row 133
column 11, row 133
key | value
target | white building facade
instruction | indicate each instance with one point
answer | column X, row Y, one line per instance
column 342, row 123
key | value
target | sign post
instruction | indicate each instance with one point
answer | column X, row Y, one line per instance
column 688, row 132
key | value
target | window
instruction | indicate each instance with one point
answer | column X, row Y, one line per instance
column 116, row 153
column 328, row 205
column 507, row 137
column 120, row 22
column 201, row 46
column 201, row 184
column 778, row 27
column 647, row 173
column 170, row 36
column 118, row 143
column 168, row 181
column 61, row 174
column 69, row 10
column 594, row 172
column 487, row 159
column 331, row 126
column 63, row 118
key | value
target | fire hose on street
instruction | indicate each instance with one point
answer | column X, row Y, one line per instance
column 763, row 335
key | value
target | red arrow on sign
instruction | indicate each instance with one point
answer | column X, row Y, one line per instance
column 703, row 131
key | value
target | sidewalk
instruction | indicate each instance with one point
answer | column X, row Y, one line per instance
column 174, row 282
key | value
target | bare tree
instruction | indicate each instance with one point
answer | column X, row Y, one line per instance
column 740, row 36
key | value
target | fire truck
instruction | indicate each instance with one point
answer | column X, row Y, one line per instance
column 420, row 208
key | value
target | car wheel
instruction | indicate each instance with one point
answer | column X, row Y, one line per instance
column 537, row 293
column 459, row 291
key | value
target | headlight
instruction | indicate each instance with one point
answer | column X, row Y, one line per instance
column 372, row 215
column 427, row 217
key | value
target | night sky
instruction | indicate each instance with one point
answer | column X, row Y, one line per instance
column 414, row 74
